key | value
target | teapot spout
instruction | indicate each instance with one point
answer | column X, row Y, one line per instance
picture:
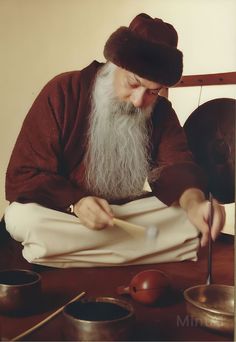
column 123, row 290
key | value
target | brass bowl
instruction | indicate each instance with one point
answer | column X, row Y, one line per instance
column 20, row 291
column 211, row 306
column 99, row 319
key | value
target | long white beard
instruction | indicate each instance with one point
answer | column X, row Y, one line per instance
column 118, row 151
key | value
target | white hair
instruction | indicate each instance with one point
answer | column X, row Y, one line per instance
column 117, row 160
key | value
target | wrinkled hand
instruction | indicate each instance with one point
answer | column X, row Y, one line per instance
column 94, row 212
column 199, row 214
column 198, row 209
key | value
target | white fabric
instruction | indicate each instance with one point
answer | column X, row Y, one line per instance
column 58, row 239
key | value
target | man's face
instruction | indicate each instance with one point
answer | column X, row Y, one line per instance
column 129, row 87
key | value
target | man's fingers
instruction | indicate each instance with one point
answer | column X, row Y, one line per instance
column 217, row 225
column 105, row 205
column 218, row 221
column 91, row 220
column 101, row 212
column 94, row 212
column 205, row 233
column 204, row 239
column 199, row 215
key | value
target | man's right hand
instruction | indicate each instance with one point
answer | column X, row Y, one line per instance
column 94, row 212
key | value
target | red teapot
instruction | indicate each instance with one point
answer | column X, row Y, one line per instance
column 147, row 287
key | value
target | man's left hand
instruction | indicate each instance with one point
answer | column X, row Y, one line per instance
column 198, row 211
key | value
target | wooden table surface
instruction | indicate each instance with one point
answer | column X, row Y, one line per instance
column 166, row 322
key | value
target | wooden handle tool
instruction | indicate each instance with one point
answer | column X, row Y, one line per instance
column 150, row 231
column 38, row 325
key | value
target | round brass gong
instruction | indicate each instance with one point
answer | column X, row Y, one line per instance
column 210, row 131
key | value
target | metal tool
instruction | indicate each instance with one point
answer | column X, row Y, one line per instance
column 210, row 221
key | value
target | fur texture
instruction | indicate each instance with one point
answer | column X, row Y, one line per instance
column 156, row 62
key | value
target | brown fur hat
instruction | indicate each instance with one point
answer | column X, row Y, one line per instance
column 147, row 48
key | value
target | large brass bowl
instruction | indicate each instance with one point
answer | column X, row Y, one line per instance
column 211, row 306
column 99, row 319
column 20, row 291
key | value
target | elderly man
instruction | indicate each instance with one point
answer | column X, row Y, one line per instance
column 86, row 147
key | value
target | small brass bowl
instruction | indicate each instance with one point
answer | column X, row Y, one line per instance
column 212, row 306
column 20, row 291
column 100, row 319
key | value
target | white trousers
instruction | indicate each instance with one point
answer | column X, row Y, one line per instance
column 57, row 239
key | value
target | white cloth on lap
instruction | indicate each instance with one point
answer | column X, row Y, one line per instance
column 57, row 239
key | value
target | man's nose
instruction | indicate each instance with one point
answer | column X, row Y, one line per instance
column 137, row 97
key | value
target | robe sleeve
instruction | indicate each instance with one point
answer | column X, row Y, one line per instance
column 35, row 170
column 174, row 168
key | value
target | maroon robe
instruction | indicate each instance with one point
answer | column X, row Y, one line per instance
column 46, row 164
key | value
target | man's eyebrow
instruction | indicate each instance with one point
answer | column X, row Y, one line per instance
column 158, row 89
column 139, row 82
column 136, row 79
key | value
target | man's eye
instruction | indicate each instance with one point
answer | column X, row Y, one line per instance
column 154, row 92
column 133, row 84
